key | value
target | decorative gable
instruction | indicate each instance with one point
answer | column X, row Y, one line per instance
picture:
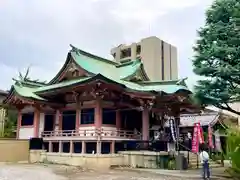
column 138, row 76
column 72, row 71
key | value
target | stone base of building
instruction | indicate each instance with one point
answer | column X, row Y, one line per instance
column 135, row 159
column 143, row 159
column 91, row 161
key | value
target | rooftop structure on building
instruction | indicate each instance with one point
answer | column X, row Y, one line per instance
column 158, row 57
column 94, row 100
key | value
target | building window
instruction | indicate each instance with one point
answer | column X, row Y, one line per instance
column 109, row 116
column 125, row 53
column 27, row 119
column 138, row 49
column 87, row 116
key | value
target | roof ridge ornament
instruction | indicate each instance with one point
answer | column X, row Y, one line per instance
column 25, row 78
column 74, row 49
column 22, row 78
column 182, row 82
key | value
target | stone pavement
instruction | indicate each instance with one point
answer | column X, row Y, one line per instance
column 216, row 173
column 57, row 172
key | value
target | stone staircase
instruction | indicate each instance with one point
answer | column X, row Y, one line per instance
column 194, row 160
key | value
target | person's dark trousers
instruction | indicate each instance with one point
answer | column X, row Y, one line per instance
column 206, row 170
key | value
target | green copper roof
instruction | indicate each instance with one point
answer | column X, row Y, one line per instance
column 107, row 68
column 148, row 87
column 102, row 69
column 27, row 92
column 61, row 84
column 31, row 92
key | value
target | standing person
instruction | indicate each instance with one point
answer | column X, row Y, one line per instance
column 204, row 159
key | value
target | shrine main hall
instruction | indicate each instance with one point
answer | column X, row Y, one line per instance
column 94, row 105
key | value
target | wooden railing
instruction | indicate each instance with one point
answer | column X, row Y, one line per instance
column 97, row 133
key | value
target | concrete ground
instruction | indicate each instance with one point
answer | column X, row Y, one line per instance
column 58, row 172
column 216, row 173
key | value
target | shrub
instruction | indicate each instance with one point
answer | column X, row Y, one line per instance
column 233, row 150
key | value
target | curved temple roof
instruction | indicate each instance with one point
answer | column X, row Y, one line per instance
column 102, row 69
column 96, row 65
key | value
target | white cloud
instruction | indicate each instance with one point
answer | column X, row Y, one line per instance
column 142, row 16
column 39, row 32
column 146, row 12
column 143, row 10
column 8, row 73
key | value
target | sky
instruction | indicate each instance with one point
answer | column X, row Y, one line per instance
column 37, row 33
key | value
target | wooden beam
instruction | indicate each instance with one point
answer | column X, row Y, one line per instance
column 140, row 95
column 124, row 104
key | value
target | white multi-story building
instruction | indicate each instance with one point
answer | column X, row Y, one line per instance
column 159, row 58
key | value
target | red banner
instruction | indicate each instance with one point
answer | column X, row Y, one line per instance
column 210, row 137
column 195, row 139
column 201, row 137
column 198, row 137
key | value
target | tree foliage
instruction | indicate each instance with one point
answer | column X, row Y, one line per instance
column 10, row 123
column 233, row 151
column 217, row 56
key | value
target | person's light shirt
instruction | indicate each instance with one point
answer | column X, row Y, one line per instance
column 203, row 156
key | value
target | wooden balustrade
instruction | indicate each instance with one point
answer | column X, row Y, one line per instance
column 98, row 133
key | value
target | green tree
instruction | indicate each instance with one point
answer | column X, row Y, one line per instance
column 233, row 151
column 10, row 123
column 217, row 56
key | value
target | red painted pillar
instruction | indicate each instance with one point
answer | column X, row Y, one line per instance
column 78, row 117
column 112, row 147
column 98, row 114
column 145, row 124
column 36, row 122
column 98, row 124
column 19, row 119
column 118, row 120
column 83, row 147
column 60, row 116
column 56, row 120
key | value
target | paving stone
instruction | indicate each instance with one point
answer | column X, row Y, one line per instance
column 56, row 172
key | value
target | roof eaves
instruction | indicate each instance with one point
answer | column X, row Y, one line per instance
column 60, row 85
column 10, row 92
column 74, row 49
column 127, row 78
column 144, row 73
column 15, row 91
column 29, row 94
column 150, row 83
column 124, row 64
column 31, row 84
column 86, row 80
column 36, row 82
